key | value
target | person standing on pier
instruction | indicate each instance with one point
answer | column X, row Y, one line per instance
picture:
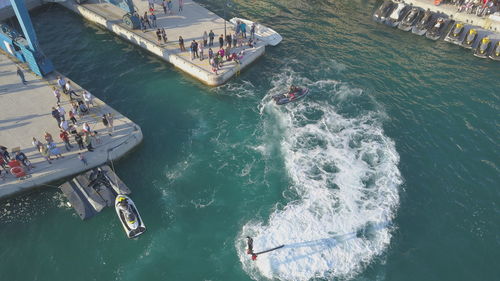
column 181, row 4
column 235, row 39
column 205, row 38
column 62, row 112
column 45, row 153
column 195, row 49
column 64, row 125
column 82, row 158
column 211, row 36
column 21, row 75
column 170, row 7
column 210, row 53
column 181, row 44
column 56, row 115
column 88, row 99
column 110, row 122
column 152, row 18
column 146, row 19
column 252, row 32
column 62, row 83
column 221, row 41
column 79, row 141
column 228, row 40
column 201, row 51
column 87, row 142
column 36, row 143
column 164, row 35
column 54, row 150
column 164, row 6
column 158, row 35
column 65, row 138
column 244, row 29
column 57, row 94
column 71, row 113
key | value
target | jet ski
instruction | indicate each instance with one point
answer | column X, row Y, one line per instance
column 495, row 54
column 470, row 38
column 421, row 27
column 129, row 216
column 438, row 29
column 455, row 33
column 483, row 49
column 397, row 15
column 411, row 18
column 294, row 94
column 383, row 11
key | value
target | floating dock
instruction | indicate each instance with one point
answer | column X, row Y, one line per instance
column 92, row 191
column 25, row 112
column 190, row 24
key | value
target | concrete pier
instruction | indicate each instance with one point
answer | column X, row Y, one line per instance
column 25, row 112
column 190, row 24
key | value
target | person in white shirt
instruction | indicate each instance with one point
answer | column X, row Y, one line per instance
column 64, row 125
column 62, row 83
column 88, row 98
column 62, row 112
column 69, row 90
column 86, row 128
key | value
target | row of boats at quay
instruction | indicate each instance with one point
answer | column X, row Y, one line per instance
column 484, row 43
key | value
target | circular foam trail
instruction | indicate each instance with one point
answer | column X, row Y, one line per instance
column 344, row 171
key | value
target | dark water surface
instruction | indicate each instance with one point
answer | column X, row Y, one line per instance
column 386, row 171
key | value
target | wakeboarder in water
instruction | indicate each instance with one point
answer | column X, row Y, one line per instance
column 250, row 248
column 254, row 255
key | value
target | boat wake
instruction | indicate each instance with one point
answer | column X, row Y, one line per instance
column 343, row 173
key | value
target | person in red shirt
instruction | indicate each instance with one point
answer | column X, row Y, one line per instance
column 65, row 138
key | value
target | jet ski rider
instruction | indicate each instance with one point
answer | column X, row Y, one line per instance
column 292, row 91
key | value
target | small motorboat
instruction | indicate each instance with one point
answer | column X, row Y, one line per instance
column 383, row 11
column 495, row 54
column 483, row 49
column 129, row 216
column 397, row 15
column 438, row 29
column 421, row 27
column 293, row 94
column 263, row 33
column 411, row 18
column 470, row 38
column 455, row 33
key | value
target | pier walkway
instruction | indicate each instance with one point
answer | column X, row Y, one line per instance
column 190, row 24
column 25, row 112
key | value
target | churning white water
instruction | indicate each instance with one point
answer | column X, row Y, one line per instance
column 344, row 171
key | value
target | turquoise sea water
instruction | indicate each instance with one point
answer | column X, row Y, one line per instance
column 386, row 171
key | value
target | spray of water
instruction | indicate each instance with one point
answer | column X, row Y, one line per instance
column 344, row 171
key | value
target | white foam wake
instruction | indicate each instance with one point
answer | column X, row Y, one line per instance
column 344, row 172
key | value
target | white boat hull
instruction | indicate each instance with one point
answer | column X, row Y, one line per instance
column 263, row 33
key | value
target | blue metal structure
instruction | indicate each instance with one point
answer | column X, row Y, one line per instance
column 131, row 18
column 25, row 48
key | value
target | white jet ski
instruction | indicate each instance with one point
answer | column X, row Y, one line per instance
column 129, row 216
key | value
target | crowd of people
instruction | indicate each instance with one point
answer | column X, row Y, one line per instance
column 227, row 44
column 479, row 7
column 74, row 131
column 203, row 48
